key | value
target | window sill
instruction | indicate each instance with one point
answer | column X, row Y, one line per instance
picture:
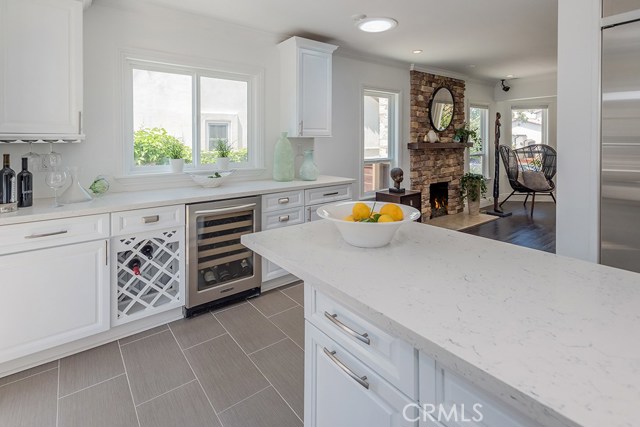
column 158, row 180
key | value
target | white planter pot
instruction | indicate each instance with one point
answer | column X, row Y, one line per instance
column 177, row 165
column 474, row 207
column 222, row 163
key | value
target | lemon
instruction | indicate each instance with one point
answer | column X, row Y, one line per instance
column 393, row 211
column 360, row 211
column 348, row 218
column 385, row 218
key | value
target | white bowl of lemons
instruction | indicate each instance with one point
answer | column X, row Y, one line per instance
column 368, row 224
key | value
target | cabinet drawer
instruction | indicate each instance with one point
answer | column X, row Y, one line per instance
column 341, row 391
column 488, row 410
column 55, row 232
column 393, row 358
column 282, row 218
column 322, row 195
column 128, row 222
column 285, row 200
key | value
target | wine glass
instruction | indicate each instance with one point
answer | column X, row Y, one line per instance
column 56, row 179
column 33, row 159
column 51, row 160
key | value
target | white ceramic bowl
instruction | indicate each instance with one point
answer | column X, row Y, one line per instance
column 365, row 234
column 209, row 180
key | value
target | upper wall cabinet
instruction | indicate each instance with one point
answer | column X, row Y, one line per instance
column 306, row 87
column 40, row 69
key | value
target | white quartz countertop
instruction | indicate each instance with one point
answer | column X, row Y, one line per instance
column 555, row 337
column 113, row 202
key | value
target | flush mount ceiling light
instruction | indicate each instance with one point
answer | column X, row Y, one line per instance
column 417, row 51
column 375, row 25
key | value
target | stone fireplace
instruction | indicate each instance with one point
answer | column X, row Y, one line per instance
column 439, row 163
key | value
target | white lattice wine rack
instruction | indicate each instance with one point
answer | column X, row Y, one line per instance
column 159, row 286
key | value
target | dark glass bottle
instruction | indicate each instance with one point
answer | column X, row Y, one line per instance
column 8, row 193
column 25, row 185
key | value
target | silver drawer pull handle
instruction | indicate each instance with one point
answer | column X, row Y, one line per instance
column 283, row 200
column 283, row 218
column 37, row 236
column 334, row 318
column 360, row 380
column 150, row 219
column 335, row 193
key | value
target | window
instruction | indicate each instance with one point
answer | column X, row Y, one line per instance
column 528, row 126
column 479, row 120
column 185, row 112
column 380, row 125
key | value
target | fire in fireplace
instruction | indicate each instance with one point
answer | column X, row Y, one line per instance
column 439, row 197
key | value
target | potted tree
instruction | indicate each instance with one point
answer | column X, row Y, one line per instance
column 223, row 151
column 472, row 187
column 176, row 151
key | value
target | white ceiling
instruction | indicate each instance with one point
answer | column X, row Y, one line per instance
column 483, row 39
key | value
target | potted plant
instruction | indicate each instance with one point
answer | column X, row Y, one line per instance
column 472, row 187
column 223, row 151
column 465, row 132
column 176, row 152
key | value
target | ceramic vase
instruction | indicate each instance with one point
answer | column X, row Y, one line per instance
column 283, row 160
column 177, row 165
column 308, row 170
column 222, row 163
column 474, row 205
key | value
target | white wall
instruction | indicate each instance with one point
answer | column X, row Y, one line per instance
column 111, row 26
column 577, row 213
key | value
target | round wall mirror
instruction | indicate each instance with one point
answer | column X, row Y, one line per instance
column 441, row 109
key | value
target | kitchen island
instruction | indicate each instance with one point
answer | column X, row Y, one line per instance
column 551, row 338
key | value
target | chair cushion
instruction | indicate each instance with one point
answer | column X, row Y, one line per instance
column 536, row 181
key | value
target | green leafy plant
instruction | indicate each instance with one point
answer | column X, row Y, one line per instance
column 223, row 149
column 152, row 146
column 466, row 132
column 470, row 184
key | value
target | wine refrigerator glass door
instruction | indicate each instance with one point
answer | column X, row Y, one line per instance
column 219, row 265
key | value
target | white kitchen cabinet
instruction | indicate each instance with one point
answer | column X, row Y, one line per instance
column 290, row 208
column 52, row 296
column 340, row 391
column 41, row 69
column 154, row 238
column 306, row 86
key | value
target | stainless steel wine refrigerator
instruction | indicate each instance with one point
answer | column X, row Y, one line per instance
column 219, row 267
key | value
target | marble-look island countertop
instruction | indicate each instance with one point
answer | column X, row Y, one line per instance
column 554, row 337
column 42, row 209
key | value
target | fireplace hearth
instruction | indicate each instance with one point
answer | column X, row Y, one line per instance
column 439, row 199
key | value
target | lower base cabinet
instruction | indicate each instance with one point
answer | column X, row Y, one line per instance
column 340, row 391
column 52, row 296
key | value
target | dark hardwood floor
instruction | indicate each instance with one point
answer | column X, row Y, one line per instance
column 537, row 232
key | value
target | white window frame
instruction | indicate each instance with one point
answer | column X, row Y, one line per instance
column 544, row 132
column 253, row 76
column 485, row 141
column 394, row 127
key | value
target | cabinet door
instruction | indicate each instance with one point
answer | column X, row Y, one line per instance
column 333, row 398
column 314, row 92
column 52, row 296
column 40, row 66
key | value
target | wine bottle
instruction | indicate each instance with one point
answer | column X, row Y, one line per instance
column 25, row 185
column 147, row 250
column 134, row 265
column 8, row 193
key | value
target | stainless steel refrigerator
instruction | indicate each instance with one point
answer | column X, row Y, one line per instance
column 620, row 178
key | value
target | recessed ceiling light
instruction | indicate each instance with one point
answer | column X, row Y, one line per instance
column 376, row 25
column 509, row 76
column 417, row 51
column 472, row 65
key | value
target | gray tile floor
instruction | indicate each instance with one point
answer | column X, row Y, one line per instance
column 240, row 366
